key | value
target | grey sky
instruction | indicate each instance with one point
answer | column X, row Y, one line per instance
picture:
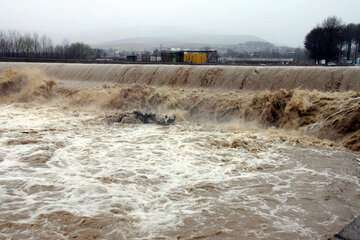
column 278, row 21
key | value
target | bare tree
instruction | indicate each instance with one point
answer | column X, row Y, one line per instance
column 349, row 37
column 326, row 41
column 15, row 44
column 314, row 44
column 357, row 41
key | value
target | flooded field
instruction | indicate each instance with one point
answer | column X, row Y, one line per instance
column 66, row 174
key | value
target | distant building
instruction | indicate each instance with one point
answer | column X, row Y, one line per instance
column 189, row 56
column 145, row 57
column 172, row 56
column 257, row 61
column 131, row 58
column 155, row 58
column 200, row 57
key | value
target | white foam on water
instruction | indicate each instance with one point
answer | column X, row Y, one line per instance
column 151, row 173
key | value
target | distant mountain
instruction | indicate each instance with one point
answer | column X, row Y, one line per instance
column 254, row 46
column 184, row 41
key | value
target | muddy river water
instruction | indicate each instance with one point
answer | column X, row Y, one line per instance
column 68, row 175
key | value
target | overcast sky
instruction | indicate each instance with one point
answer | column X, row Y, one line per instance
column 278, row 21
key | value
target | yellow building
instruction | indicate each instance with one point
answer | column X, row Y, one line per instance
column 189, row 56
column 196, row 57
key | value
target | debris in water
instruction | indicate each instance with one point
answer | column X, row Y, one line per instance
column 140, row 117
column 350, row 232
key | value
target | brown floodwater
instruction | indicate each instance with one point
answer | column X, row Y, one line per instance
column 66, row 174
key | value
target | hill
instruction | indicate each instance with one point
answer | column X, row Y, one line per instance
column 184, row 41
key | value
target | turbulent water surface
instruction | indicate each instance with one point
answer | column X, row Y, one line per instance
column 224, row 77
column 67, row 174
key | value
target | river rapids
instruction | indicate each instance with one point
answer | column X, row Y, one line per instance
column 66, row 173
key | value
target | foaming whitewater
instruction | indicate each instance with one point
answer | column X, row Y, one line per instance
column 236, row 165
column 327, row 115
column 66, row 174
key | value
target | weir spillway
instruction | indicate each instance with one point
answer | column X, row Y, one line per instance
column 225, row 77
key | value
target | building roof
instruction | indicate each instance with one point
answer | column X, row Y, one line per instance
column 189, row 50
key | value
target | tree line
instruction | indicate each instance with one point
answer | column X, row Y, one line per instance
column 334, row 41
column 15, row 44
